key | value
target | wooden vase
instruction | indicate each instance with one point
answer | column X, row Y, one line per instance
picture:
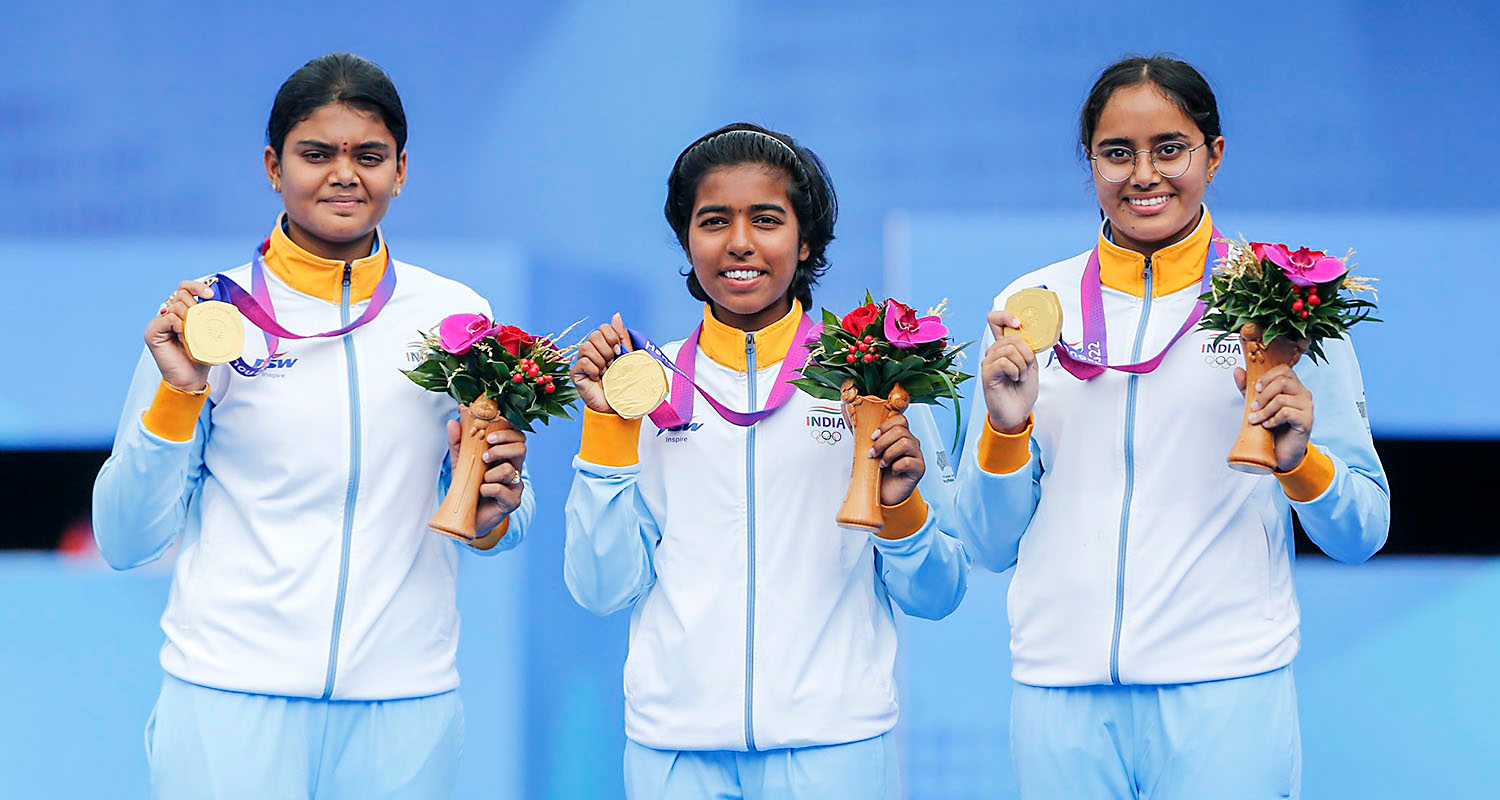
column 455, row 517
column 1255, row 449
column 862, row 511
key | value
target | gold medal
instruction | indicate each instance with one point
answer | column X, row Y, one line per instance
column 635, row 384
column 213, row 332
column 1040, row 313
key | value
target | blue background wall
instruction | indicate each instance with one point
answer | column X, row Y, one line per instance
column 540, row 139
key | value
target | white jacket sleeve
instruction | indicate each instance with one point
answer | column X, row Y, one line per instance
column 927, row 572
column 611, row 538
column 993, row 510
column 1350, row 519
column 143, row 492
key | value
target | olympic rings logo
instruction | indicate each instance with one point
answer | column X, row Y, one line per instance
column 1220, row 360
column 829, row 437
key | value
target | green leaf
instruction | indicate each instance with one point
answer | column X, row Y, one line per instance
column 817, row 390
column 958, row 416
column 428, row 382
column 464, row 388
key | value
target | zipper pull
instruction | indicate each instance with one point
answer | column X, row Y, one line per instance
column 1147, row 272
column 348, row 271
column 749, row 343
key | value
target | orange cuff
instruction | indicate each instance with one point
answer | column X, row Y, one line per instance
column 1004, row 453
column 174, row 413
column 1310, row 479
column 905, row 518
column 489, row 540
column 610, row 440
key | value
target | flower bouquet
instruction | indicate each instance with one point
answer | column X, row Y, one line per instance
column 1282, row 303
column 878, row 359
column 502, row 377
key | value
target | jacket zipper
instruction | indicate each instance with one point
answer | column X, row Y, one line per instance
column 351, row 494
column 750, row 550
column 1130, row 400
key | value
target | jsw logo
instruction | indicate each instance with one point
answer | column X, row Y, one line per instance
column 275, row 363
column 688, row 428
column 261, row 365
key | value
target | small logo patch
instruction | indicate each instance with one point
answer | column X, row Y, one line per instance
column 679, row 433
column 1224, row 354
column 265, row 367
column 826, row 425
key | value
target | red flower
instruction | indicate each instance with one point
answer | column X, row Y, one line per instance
column 860, row 318
column 513, row 339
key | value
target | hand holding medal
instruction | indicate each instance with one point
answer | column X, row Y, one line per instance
column 629, row 383
column 1039, row 314
column 504, row 380
column 213, row 331
column 167, row 342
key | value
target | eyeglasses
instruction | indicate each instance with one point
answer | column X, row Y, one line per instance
column 1116, row 164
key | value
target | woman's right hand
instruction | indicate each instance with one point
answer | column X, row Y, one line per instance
column 1008, row 375
column 164, row 339
column 594, row 356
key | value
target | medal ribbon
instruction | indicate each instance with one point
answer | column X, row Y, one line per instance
column 257, row 307
column 677, row 410
column 1091, row 358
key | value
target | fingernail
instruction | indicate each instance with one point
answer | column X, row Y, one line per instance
column 1255, row 404
column 875, row 434
column 486, row 457
column 493, row 438
column 872, row 452
column 1258, row 386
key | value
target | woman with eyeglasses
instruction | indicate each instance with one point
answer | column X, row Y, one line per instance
column 1153, row 616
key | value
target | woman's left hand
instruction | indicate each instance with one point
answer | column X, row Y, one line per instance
column 1284, row 407
column 901, row 462
column 500, row 493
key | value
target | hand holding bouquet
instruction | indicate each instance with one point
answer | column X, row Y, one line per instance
column 502, row 377
column 878, row 359
column 1282, row 303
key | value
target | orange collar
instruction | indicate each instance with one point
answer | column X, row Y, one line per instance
column 323, row 278
column 1176, row 267
column 726, row 345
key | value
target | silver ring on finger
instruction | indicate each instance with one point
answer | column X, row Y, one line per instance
column 515, row 479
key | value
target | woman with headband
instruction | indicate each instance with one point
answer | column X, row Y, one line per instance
column 311, row 630
column 762, row 636
column 1153, row 617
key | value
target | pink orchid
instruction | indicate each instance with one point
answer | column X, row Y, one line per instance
column 458, row 333
column 904, row 330
column 1304, row 267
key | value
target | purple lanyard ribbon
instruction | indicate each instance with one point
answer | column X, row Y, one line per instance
column 1091, row 358
column 678, row 409
column 257, row 307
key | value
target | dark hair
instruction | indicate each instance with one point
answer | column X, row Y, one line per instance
column 808, row 187
column 1176, row 79
column 342, row 78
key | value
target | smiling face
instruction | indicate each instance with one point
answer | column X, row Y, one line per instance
column 1147, row 211
column 745, row 244
column 337, row 173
